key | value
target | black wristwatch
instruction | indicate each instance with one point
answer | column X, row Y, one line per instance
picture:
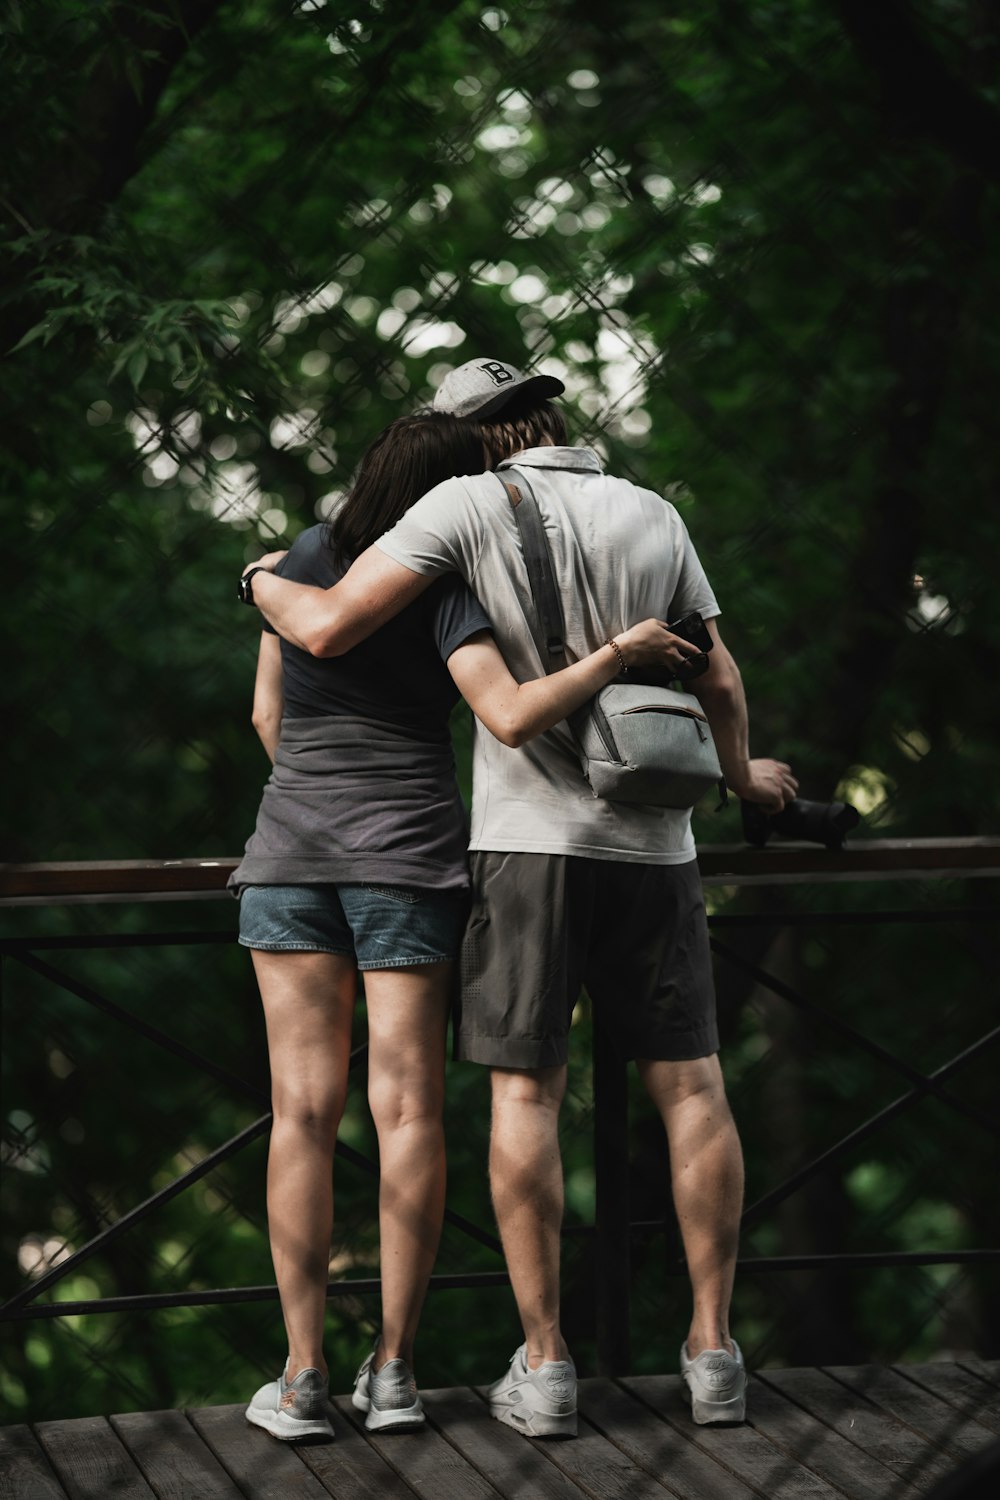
column 246, row 586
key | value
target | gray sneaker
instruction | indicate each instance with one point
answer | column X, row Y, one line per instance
column 389, row 1396
column 292, row 1411
column 540, row 1403
column 717, row 1385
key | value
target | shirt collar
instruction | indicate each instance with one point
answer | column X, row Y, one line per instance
column 581, row 460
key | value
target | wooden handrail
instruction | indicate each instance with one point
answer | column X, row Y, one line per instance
column 721, row 864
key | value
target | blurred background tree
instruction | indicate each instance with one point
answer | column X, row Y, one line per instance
column 755, row 241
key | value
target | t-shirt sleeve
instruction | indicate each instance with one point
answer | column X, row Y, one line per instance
column 692, row 590
column 457, row 615
column 442, row 533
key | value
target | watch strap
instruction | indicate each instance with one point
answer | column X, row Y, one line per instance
column 246, row 585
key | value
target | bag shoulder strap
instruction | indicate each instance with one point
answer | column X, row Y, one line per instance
column 541, row 575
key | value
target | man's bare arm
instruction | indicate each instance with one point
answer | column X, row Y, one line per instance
column 328, row 622
column 720, row 693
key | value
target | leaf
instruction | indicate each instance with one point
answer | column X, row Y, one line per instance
column 32, row 334
column 137, row 366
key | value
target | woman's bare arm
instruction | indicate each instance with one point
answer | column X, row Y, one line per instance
column 268, row 693
column 515, row 712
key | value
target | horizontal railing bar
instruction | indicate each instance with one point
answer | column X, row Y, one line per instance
column 765, row 1264
column 853, row 918
column 721, row 864
column 370, row 1286
column 152, row 1301
column 864, row 1043
column 98, row 941
column 87, row 941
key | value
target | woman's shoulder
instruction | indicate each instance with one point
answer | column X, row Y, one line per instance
column 310, row 558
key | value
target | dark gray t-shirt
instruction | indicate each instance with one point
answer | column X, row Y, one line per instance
column 398, row 675
column 363, row 787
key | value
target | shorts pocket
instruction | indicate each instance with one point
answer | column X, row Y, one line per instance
column 402, row 893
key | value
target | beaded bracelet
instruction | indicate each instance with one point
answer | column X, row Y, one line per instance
column 618, row 652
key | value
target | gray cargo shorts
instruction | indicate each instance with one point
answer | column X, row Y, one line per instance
column 543, row 926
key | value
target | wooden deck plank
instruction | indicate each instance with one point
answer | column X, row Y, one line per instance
column 90, row 1460
column 986, row 1369
column 947, row 1429
column 655, row 1446
column 886, row 1439
column 261, row 1465
column 960, row 1388
column 512, row 1462
column 741, row 1449
column 820, row 1448
column 25, row 1472
column 432, row 1468
column 351, row 1469
column 595, row 1465
column 177, row 1464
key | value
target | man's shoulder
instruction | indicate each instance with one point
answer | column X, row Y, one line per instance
column 457, row 502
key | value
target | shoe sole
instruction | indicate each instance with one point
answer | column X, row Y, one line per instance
column 714, row 1413
column 537, row 1423
column 404, row 1419
column 289, row 1429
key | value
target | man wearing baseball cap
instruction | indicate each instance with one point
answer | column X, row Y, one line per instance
column 570, row 889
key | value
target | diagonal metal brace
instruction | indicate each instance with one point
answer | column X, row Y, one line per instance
column 922, row 1082
column 786, row 1188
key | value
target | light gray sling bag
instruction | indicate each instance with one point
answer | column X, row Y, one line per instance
column 636, row 743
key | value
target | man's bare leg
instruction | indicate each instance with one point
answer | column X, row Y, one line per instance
column 527, row 1183
column 706, row 1166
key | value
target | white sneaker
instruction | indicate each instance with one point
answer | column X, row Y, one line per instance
column 292, row 1411
column 716, row 1382
column 540, row 1403
column 389, row 1397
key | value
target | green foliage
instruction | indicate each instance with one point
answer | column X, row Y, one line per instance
column 241, row 239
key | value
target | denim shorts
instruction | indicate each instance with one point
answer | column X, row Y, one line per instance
column 379, row 926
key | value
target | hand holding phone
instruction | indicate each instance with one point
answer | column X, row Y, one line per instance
column 693, row 628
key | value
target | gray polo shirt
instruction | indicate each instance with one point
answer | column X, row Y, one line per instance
column 621, row 554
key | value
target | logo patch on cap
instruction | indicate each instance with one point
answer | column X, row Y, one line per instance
column 498, row 373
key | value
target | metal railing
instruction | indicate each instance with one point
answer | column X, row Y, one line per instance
column 613, row 1232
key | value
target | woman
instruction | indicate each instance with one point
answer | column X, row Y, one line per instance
column 357, row 864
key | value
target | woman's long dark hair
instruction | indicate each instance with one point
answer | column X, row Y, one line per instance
column 409, row 458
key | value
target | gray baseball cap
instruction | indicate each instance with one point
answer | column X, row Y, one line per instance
column 483, row 387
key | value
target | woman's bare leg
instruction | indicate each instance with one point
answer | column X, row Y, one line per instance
column 308, row 1005
column 407, row 1019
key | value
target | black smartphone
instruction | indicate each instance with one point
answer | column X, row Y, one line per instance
column 693, row 628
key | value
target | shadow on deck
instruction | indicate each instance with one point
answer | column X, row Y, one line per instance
column 867, row 1433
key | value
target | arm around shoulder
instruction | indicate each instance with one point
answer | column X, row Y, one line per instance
column 328, row 622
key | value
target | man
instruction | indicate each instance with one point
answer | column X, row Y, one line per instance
column 568, row 889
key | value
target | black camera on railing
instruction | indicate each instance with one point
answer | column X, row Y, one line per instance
column 826, row 823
